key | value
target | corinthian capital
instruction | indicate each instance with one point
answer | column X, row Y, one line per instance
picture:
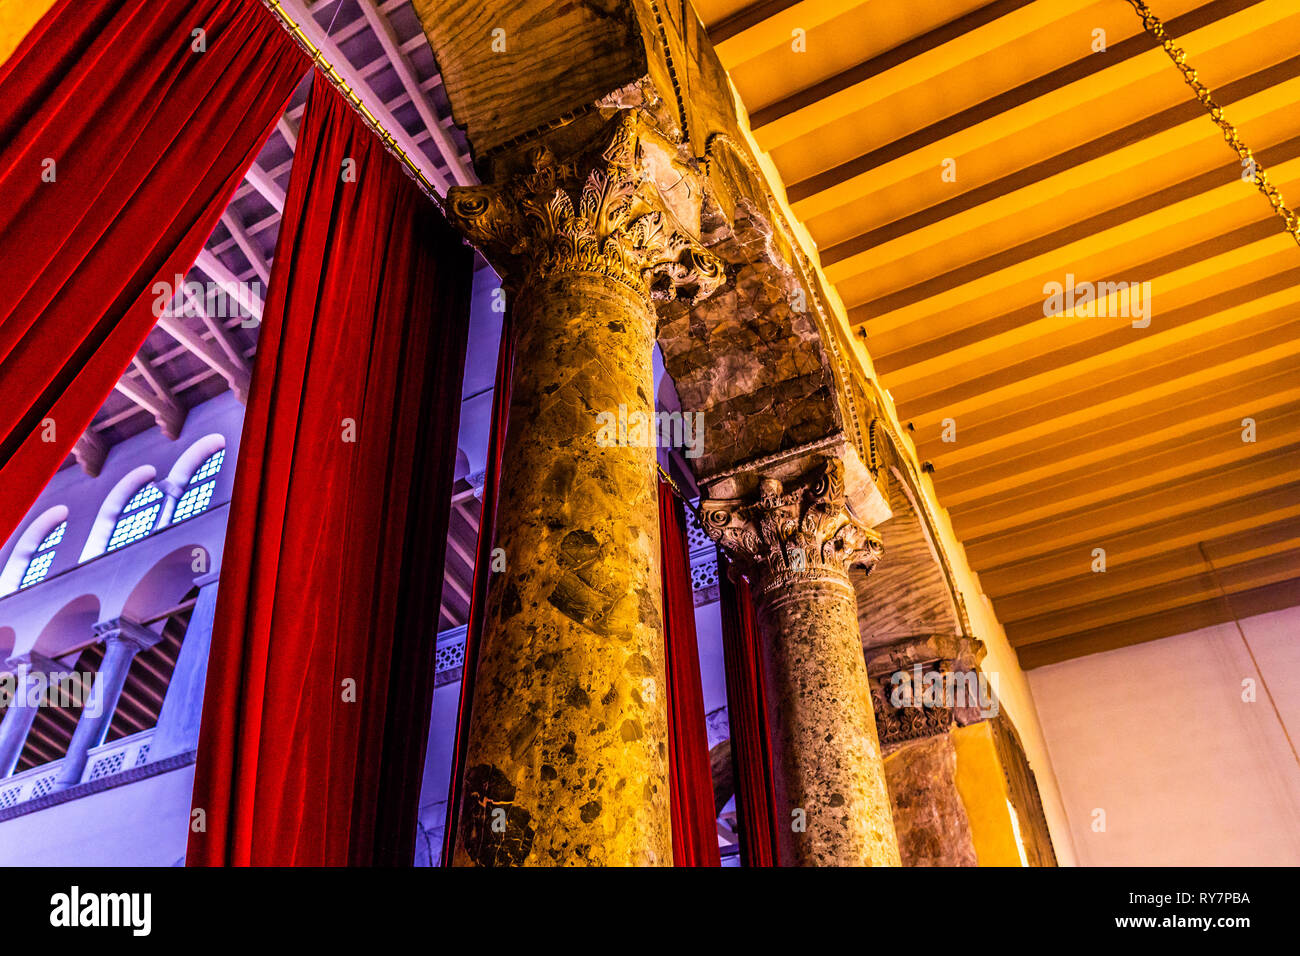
column 606, row 215
column 795, row 531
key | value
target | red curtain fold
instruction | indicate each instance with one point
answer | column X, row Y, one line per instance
column 751, row 755
column 690, row 777
column 120, row 147
column 482, row 571
column 322, row 647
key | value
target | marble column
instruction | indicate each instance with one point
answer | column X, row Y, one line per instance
column 182, row 709
column 123, row 639
column 27, row 670
column 796, row 540
column 567, row 756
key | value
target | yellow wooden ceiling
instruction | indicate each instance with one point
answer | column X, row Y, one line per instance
column 1072, row 433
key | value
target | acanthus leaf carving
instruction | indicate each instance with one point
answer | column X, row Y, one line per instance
column 805, row 532
column 622, row 226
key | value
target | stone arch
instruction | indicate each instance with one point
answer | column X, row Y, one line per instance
column 178, row 478
column 190, row 459
column 911, row 590
column 70, row 629
column 47, row 521
column 164, row 585
column 122, row 492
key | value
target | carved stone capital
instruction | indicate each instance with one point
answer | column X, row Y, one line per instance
column 792, row 532
column 923, row 685
column 123, row 630
column 618, row 213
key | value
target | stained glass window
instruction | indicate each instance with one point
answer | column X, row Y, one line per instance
column 137, row 518
column 43, row 557
column 199, row 493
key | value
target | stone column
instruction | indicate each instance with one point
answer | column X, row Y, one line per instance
column 182, row 709
column 123, row 639
column 796, row 540
column 567, row 755
column 19, row 714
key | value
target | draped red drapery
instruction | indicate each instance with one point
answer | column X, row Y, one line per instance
column 690, row 777
column 120, row 147
column 751, row 759
column 482, row 571
column 322, row 647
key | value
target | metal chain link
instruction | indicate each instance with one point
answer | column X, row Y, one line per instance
column 1153, row 25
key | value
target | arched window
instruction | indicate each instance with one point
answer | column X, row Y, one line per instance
column 199, row 491
column 43, row 557
column 137, row 518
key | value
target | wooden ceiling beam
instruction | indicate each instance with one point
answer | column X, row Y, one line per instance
column 1094, row 165
column 1204, row 404
column 910, row 64
column 349, row 73
column 1194, row 589
column 251, row 252
column 1229, row 517
column 1126, row 577
column 1178, row 457
column 246, row 297
column 1150, row 627
column 1092, row 356
column 1087, row 528
column 1241, row 259
column 1015, row 111
column 270, row 190
column 1117, row 240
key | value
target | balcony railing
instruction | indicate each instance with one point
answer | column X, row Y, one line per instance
column 106, row 760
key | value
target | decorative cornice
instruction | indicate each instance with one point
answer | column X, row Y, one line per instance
column 796, row 532
column 612, row 221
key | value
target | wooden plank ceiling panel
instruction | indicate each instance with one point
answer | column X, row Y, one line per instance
column 1056, row 432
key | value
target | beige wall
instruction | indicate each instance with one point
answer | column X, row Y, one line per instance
column 1159, row 738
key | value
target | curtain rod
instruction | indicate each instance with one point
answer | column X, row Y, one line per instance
column 331, row 74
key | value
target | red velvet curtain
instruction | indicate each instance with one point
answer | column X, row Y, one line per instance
column 690, row 777
column 322, row 648
column 120, row 147
column 751, row 755
column 482, row 571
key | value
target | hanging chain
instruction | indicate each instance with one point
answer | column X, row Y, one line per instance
column 1156, row 28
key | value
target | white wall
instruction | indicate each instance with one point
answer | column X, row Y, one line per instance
column 145, row 823
column 1158, row 736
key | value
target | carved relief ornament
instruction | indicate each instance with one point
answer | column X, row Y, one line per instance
column 800, row 532
column 614, row 222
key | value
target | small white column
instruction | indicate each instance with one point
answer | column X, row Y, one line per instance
column 20, row 713
column 172, row 494
column 123, row 639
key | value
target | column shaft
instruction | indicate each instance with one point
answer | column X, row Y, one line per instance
column 824, row 732
column 797, row 540
column 567, row 762
column 17, row 722
column 122, row 639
